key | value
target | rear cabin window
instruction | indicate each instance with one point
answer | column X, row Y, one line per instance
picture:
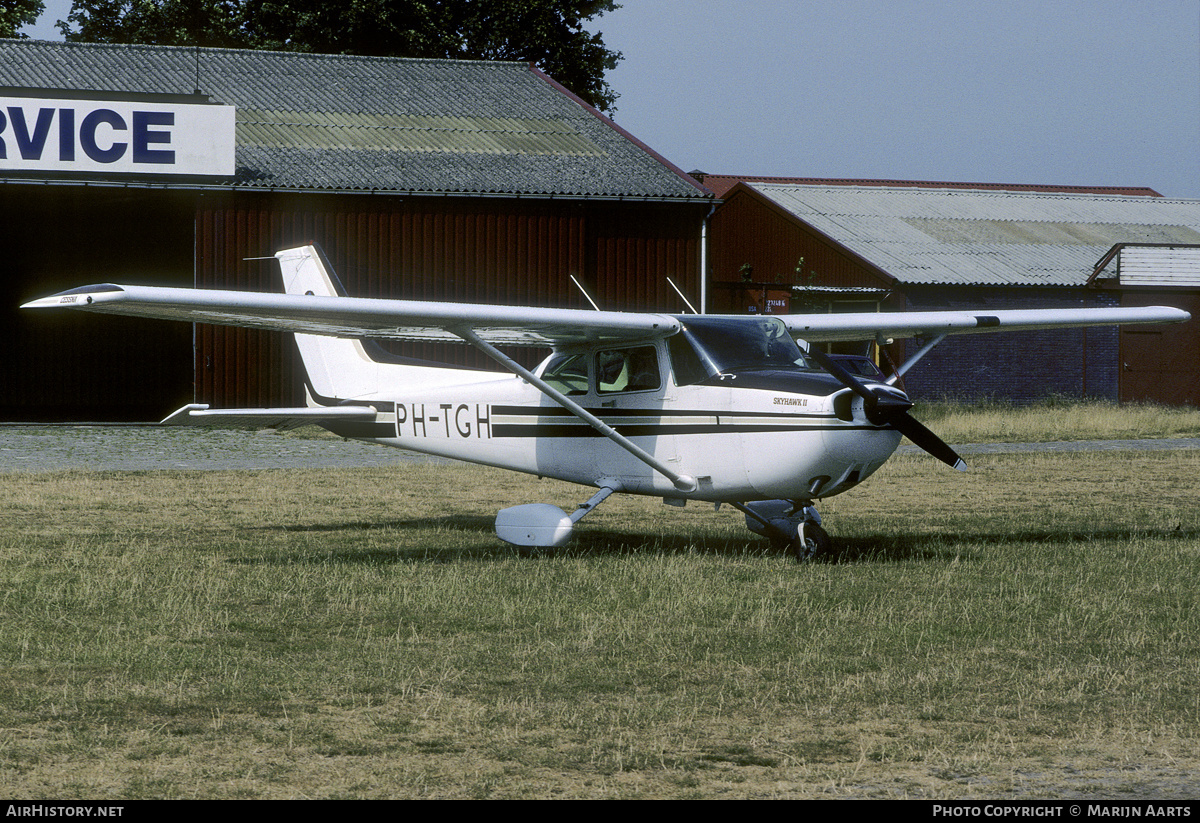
column 568, row 373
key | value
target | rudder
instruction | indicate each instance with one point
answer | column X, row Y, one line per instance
column 340, row 368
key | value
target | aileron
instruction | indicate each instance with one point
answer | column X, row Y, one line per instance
column 833, row 328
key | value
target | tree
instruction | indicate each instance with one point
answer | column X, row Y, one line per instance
column 15, row 14
column 548, row 33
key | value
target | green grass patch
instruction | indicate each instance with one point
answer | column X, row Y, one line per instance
column 1028, row 629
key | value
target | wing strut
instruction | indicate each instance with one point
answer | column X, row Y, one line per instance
column 682, row 482
column 912, row 361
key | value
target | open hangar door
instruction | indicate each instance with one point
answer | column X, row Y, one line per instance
column 72, row 367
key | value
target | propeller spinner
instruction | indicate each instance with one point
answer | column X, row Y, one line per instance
column 887, row 406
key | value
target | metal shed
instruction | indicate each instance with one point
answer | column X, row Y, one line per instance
column 949, row 247
column 1157, row 363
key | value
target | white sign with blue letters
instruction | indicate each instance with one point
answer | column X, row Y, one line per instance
column 114, row 136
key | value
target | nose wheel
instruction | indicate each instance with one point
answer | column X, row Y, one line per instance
column 792, row 526
column 812, row 544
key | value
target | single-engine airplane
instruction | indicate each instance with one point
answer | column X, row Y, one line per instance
column 724, row 409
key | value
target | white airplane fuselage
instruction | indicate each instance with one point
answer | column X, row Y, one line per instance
column 738, row 443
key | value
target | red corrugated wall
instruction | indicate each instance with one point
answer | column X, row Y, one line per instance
column 473, row 250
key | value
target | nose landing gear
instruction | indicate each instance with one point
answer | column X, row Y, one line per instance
column 792, row 526
column 812, row 543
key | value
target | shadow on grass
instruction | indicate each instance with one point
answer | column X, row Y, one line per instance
column 456, row 522
column 457, row 538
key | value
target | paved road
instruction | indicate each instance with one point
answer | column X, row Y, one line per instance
column 147, row 448
column 144, row 448
column 1071, row 446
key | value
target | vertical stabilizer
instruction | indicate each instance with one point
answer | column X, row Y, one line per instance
column 340, row 368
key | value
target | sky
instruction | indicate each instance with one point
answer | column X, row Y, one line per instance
column 1057, row 92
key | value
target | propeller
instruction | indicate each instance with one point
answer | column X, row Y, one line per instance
column 885, row 405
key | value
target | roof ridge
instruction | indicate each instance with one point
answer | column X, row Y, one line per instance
column 724, row 182
column 191, row 50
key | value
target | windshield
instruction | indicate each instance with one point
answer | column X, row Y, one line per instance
column 727, row 345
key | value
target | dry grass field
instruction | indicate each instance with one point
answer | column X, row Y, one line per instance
column 1026, row 630
column 1056, row 419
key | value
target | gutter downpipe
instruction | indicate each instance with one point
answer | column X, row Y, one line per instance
column 704, row 259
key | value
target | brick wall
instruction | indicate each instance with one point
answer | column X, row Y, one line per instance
column 1020, row 366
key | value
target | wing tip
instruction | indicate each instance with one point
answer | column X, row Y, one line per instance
column 81, row 296
column 180, row 417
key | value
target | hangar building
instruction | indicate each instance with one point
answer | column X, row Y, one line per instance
column 423, row 179
column 893, row 246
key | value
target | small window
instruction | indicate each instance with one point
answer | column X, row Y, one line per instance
column 620, row 370
column 567, row 373
column 685, row 362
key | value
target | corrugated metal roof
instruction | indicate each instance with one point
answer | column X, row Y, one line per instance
column 410, row 133
column 984, row 238
column 335, row 122
column 1159, row 266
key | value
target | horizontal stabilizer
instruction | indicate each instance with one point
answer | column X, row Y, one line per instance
column 199, row 414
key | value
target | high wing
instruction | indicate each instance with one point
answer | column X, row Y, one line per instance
column 316, row 303
column 365, row 317
column 523, row 326
column 833, row 328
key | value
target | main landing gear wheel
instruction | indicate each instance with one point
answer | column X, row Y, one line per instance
column 812, row 545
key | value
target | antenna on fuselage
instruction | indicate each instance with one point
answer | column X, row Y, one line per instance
column 681, row 296
column 583, row 291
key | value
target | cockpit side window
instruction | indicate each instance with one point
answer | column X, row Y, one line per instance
column 622, row 370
